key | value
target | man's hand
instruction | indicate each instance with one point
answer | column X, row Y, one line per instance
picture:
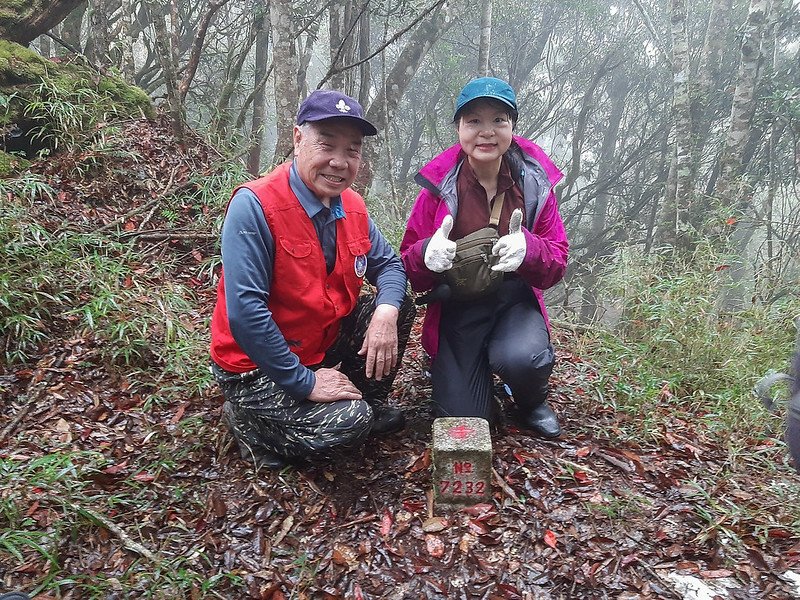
column 440, row 251
column 333, row 385
column 380, row 342
column 511, row 248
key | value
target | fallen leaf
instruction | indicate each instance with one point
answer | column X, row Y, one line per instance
column 435, row 524
column 114, row 469
column 550, row 539
column 344, row 556
column 434, row 545
column 716, row 574
column 386, row 523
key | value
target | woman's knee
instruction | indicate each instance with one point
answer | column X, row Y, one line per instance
column 514, row 362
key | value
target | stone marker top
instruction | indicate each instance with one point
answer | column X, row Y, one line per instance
column 461, row 433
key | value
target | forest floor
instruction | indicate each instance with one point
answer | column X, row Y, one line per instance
column 115, row 495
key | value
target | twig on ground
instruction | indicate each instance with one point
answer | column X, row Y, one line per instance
column 359, row 521
column 146, row 206
column 32, row 395
column 160, row 236
column 502, row 483
column 668, row 587
column 126, row 540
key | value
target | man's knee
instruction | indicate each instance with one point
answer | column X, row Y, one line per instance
column 345, row 423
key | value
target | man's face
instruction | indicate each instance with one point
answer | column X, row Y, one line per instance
column 328, row 155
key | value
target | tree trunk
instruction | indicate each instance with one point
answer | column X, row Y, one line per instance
column 71, row 26
column 126, row 59
column 681, row 105
column 306, row 53
column 335, row 29
column 259, row 104
column 743, row 105
column 285, row 61
column 708, row 95
column 167, row 59
column 363, row 52
column 587, row 103
column 197, row 47
column 98, row 45
column 222, row 118
column 618, row 93
column 486, row 37
column 23, row 24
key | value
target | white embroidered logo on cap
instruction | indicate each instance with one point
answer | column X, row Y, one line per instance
column 342, row 107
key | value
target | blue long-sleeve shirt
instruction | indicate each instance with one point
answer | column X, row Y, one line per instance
column 248, row 253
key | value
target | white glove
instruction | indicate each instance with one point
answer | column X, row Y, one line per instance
column 440, row 252
column 510, row 248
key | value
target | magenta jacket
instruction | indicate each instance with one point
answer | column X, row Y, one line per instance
column 546, row 258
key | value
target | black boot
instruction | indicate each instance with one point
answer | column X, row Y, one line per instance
column 387, row 420
column 534, row 413
column 540, row 419
column 14, row 596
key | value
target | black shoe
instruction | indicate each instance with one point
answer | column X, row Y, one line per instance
column 268, row 459
column 14, row 596
column 387, row 420
column 540, row 419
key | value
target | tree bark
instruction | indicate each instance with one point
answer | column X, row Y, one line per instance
column 23, row 24
column 166, row 57
column 98, row 45
column 285, row 61
column 681, row 104
column 743, row 105
column 363, row 51
column 259, row 104
column 486, row 37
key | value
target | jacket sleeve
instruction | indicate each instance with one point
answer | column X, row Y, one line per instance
column 419, row 229
column 547, row 248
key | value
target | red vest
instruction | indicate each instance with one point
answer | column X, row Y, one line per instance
column 306, row 303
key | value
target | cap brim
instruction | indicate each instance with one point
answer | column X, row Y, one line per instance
column 365, row 126
column 487, row 96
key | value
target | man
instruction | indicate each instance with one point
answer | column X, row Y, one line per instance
column 303, row 359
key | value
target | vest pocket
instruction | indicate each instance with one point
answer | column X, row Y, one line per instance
column 297, row 248
column 359, row 247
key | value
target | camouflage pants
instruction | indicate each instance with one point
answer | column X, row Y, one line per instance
column 261, row 416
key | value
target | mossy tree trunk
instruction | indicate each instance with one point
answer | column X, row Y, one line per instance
column 22, row 21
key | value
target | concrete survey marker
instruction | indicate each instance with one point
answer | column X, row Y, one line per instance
column 462, row 460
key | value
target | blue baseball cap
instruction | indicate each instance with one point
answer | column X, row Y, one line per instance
column 487, row 87
column 330, row 104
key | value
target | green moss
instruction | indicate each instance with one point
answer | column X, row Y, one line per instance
column 62, row 99
column 11, row 164
column 133, row 98
column 20, row 65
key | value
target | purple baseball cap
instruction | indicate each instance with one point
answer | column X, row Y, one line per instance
column 330, row 104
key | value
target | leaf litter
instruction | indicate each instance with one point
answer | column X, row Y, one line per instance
column 588, row 518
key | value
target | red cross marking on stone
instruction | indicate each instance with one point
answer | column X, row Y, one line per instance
column 460, row 432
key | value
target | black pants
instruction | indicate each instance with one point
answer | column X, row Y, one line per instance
column 261, row 415
column 504, row 334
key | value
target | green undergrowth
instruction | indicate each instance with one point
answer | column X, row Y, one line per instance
column 675, row 353
column 76, row 284
column 54, row 503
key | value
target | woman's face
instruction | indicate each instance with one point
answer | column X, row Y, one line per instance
column 484, row 132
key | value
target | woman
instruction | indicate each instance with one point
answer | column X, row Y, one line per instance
column 507, row 331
